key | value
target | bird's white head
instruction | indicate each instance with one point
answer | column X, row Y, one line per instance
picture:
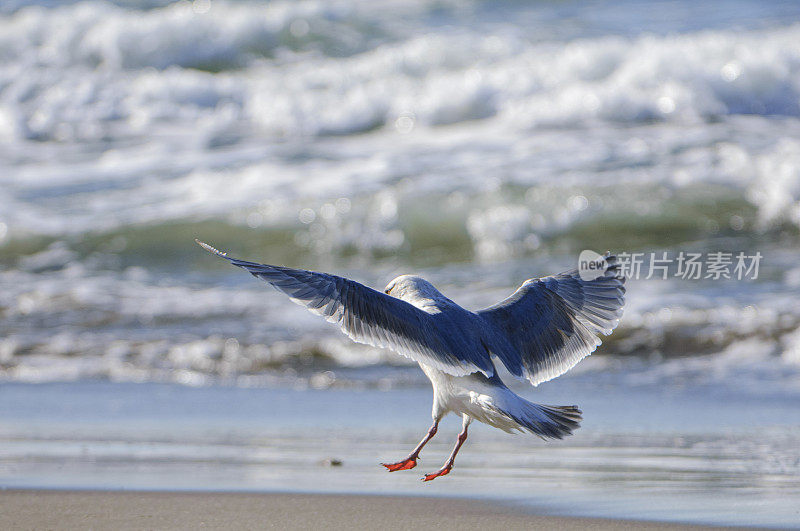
column 412, row 288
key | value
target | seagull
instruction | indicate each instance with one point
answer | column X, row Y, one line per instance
column 538, row 333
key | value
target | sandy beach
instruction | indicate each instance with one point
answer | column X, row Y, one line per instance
column 69, row 451
column 53, row 509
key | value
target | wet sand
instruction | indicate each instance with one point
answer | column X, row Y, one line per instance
column 62, row 509
column 109, row 437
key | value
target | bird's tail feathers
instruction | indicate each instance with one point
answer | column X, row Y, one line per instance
column 548, row 422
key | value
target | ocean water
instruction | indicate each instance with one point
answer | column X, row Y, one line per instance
column 478, row 143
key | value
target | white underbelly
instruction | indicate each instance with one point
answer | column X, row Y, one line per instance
column 467, row 395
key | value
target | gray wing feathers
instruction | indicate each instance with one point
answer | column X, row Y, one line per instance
column 365, row 315
column 553, row 322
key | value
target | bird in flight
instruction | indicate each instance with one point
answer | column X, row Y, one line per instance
column 539, row 332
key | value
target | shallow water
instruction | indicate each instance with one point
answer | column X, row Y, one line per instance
column 698, row 454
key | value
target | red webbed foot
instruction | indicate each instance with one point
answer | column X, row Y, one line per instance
column 443, row 472
column 405, row 464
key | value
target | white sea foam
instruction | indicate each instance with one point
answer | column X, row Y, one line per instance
column 57, row 74
column 134, row 68
column 93, row 81
column 350, row 136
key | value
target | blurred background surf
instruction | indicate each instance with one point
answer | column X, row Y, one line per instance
column 476, row 143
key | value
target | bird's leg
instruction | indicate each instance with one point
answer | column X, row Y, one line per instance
column 411, row 461
column 448, row 466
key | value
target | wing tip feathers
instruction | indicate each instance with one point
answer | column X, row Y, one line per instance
column 210, row 249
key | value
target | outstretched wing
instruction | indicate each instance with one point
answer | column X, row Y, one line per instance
column 553, row 322
column 365, row 315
